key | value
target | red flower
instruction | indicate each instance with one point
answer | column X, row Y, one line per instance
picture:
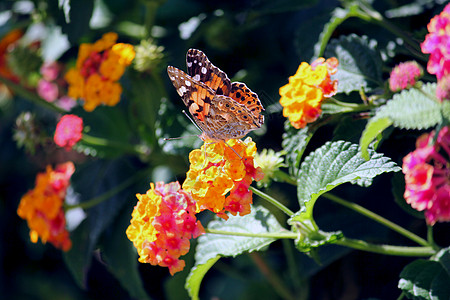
column 68, row 131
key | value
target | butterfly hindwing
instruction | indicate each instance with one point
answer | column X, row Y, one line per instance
column 201, row 69
column 243, row 95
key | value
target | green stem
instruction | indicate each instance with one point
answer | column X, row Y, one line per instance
column 23, row 92
column 377, row 218
column 96, row 141
column 386, row 249
column 151, row 7
column 271, row 276
column 272, row 201
column 285, row 177
column 107, row 195
column 351, row 243
column 371, row 15
column 273, row 235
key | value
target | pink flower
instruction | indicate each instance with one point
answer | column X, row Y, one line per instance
column 437, row 44
column 47, row 90
column 68, row 131
column 443, row 88
column 404, row 76
column 50, row 70
column 66, row 103
column 427, row 176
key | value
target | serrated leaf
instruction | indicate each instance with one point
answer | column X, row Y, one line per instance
column 121, row 257
column 412, row 109
column 446, row 111
column 373, row 129
column 359, row 63
column 333, row 164
column 424, row 279
column 294, row 143
column 213, row 246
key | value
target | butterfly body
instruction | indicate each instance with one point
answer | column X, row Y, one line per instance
column 222, row 109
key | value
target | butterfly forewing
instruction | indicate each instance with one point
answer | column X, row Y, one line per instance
column 243, row 95
column 196, row 95
column 201, row 69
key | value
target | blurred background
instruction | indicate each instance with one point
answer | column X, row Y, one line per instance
column 258, row 42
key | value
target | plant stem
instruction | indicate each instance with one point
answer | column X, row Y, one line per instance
column 285, row 177
column 271, row 276
column 272, row 201
column 96, row 141
column 271, row 235
column 386, row 249
column 377, row 218
column 105, row 196
column 29, row 95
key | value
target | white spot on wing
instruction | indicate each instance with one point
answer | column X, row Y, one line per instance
column 188, row 83
column 197, row 77
column 204, row 70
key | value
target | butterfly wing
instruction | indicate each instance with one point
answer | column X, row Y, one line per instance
column 201, row 69
column 196, row 95
column 243, row 95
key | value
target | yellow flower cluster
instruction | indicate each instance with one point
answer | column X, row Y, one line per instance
column 99, row 67
column 302, row 97
column 42, row 207
column 220, row 175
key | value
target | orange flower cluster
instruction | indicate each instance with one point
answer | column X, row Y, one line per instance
column 42, row 206
column 9, row 39
column 99, row 67
column 219, row 177
column 162, row 223
column 302, row 97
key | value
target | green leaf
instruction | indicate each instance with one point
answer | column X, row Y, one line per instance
column 424, row 279
column 359, row 63
column 196, row 275
column 373, row 130
column 413, row 109
column 294, row 143
column 338, row 16
column 333, row 164
column 121, row 257
column 78, row 258
column 443, row 257
column 213, row 246
column 446, row 111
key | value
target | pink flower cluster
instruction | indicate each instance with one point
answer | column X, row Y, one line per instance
column 51, row 86
column 162, row 223
column 437, row 44
column 427, row 176
column 68, row 131
column 404, row 76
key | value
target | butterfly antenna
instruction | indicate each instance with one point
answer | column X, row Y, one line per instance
column 233, row 150
column 182, row 137
column 190, row 119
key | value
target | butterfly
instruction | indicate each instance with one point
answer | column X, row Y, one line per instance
column 222, row 109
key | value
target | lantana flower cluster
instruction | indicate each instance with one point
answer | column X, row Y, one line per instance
column 162, row 223
column 42, row 206
column 404, row 76
column 99, row 67
column 220, row 175
column 52, row 87
column 69, row 131
column 6, row 42
column 302, row 97
column 437, row 44
column 427, row 176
